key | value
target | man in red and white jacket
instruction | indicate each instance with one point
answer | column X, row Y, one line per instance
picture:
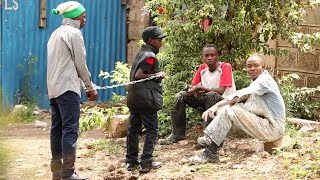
column 212, row 82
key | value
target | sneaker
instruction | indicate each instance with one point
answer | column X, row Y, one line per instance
column 75, row 177
column 146, row 167
column 132, row 166
column 205, row 157
column 204, row 141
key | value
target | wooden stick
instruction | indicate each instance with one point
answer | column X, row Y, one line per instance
column 43, row 14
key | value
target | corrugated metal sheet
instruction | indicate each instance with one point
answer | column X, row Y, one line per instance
column 22, row 39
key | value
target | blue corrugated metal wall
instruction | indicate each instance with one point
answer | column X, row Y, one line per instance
column 22, row 39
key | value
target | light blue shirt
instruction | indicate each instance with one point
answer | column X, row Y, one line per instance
column 265, row 87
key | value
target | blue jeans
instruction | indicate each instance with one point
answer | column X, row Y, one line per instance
column 150, row 121
column 65, row 116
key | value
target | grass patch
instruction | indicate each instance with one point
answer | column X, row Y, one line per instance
column 175, row 169
column 305, row 165
column 103, row 145
column 3, row 160
column 205, row 168
column 292, row 130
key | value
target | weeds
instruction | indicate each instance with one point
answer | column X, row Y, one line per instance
column 24, row 94
column 103, row 145
column 292, row 130
column 25, row 114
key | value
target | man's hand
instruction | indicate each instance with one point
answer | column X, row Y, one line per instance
column 92, row 95
column 190, row 93
column 160, row 75
column 195, row 89
column 210, row 113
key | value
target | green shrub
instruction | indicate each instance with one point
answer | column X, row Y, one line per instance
column 298, row 101
column 25, row 114
column 97, row 117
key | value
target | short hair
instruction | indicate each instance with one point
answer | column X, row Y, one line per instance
column 259, row 56
column 211, row 46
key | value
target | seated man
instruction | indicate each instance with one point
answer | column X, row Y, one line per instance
column 211, row 83
column 261, row 116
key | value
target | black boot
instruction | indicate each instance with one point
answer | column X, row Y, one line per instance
column 178, row 123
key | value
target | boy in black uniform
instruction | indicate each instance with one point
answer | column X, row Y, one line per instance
column 144, row 100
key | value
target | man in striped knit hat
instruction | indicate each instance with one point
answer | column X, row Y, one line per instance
column 66, row 63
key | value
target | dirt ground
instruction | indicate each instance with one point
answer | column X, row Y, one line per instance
column 29, row 157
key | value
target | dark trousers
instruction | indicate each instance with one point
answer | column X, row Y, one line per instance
column 150, row 121
column 65, row 111
column 201, row 103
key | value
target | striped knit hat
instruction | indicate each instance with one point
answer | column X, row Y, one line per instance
column 70, row 9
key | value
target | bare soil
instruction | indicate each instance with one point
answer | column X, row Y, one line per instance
column 241, row 158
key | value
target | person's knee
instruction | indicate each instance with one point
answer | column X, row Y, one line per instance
column 215, row 96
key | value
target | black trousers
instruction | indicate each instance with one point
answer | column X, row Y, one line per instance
column 150, row 121
column 201, row 103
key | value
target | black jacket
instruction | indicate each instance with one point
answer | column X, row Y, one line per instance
column 146, row 95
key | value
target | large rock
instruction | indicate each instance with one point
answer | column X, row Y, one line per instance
column 285, row 141
column 117, row 126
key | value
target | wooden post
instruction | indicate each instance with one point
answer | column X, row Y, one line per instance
column 43, row 14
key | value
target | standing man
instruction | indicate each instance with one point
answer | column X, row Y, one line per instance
column 212, row 82
column 66, row 64
column 144, row 101
column 262, row 115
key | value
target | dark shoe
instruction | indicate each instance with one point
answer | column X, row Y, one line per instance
column 172, row 138
column 132, row 166
column 205, row 157
column 75, row 177
column 146, row 167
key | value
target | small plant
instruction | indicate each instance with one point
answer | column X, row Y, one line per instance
column 119, row 75
column 292, row 130
column 24, row 94
column 25, row 114
column 117, row 98
column 164, row 124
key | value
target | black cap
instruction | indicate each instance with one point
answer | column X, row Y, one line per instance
column 152, row 32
